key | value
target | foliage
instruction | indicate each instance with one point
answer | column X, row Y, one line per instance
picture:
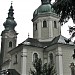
column 65, row 9
column 72, row 31
column 46, row 69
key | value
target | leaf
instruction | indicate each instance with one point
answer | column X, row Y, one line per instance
column 66, row 10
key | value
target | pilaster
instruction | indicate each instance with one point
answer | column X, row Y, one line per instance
column 50, row 29
column 39, row 29
column 59, row 63
column 23, row 61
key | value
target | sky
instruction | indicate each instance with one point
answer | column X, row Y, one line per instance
column 23, row 14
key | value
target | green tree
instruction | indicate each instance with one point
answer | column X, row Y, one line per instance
column 65, row 9
column 40, row 69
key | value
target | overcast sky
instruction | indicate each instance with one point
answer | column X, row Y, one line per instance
column 23, row 13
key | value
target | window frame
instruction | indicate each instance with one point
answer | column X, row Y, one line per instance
column 44, row 24
column 55, row 24
column 49, row 60
column 10, row 44
column 33, row 54
column 15, row 59
column 36, row 26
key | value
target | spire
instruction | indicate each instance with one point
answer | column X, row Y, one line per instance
column 10, row 14
column 45, row 1
column 10, row 23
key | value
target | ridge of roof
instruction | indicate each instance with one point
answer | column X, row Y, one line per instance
column 59, row 39
column 35, row 43
column 32, row 42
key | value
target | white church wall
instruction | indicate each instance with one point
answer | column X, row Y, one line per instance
column 37, row 33
column 24, row 61
column 67, row 52
column 6, row 66
column 16, row 65
column 57, row 58
column 29, row 61
column 45, row 56
column 48, row 32
column 59, row 62
column 52, row 49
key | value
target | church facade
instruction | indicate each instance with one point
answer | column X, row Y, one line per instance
column 47, row 43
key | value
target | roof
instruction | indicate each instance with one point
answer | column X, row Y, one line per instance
column 61, row 39
column 9, row 71
column 44, row 8
column 10, row 23
column 34, row 42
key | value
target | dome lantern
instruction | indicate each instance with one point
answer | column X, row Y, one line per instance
column 45, row 1
column 44, row 8
column 10, row 23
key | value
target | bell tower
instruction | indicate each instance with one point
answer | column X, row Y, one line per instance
column 8, row 35
column 46, row 24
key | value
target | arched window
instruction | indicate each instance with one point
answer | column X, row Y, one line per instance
column 51, row 58
column 36, row 26
column 72, row 66
column 35, row 57
column 10, row 44
column 44, row 24
column 55, row 25
column 15, row 59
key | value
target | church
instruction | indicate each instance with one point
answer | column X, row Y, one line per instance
column 47, row 43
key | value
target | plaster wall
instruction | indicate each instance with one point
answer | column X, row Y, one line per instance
column 29, row 58
column 16, row 66
column 67, row 52
column 49, row 32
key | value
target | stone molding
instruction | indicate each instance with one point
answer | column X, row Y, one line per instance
column 23, row 54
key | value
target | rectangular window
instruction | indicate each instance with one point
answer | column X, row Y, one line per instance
column 44, row 24
column 15, row 59
column 72, row 69
column 36, row 26
column 55, row 24
column 10, row 44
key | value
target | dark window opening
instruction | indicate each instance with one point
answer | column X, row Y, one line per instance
column 36, row 26
column 72, row 68
column 55, row 25
column 73, row 54
column 44, row 24
column 35, row 57
column 15, row 60
column 51, row 58
column 10, row 44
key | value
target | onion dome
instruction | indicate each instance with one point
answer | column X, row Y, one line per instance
column 10, row 23
column 44, row 8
